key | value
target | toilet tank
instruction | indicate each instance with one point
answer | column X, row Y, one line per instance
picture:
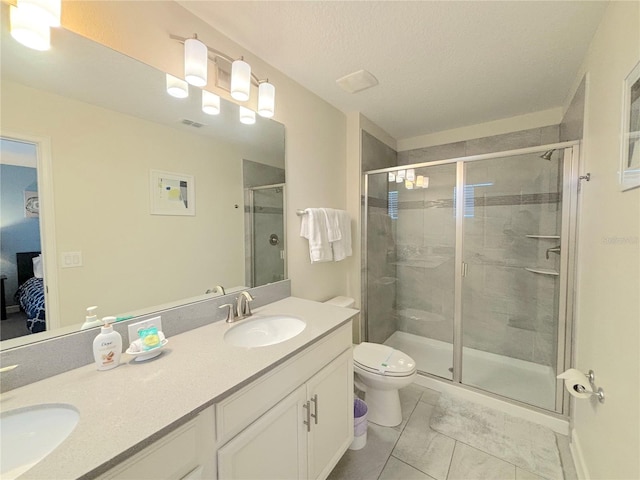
column 347, row 302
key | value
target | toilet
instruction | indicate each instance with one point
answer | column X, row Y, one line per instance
column 380, row 371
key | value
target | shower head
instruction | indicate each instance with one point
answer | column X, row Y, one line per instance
column 547, row 155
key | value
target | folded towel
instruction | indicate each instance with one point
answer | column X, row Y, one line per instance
column 314, row 228
column 342, row 247
column 333, row 224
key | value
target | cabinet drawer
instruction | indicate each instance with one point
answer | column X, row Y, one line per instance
column 236, row 412
column 173, row 456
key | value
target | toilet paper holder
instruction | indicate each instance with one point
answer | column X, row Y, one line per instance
column 598, row 392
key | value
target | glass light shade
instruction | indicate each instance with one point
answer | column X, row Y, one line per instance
column 177, row 87
column 30, row 33
column 240, row 80
column 247, row 116
column 42, row 11
column 210, row 103
column 411, row 175
column 392, row 177
column 266, row 99
column 408, row 184
column 195, row 62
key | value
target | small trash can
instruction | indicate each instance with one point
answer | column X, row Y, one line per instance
column 360, row 410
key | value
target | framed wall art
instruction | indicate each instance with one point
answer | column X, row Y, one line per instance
column 172, row 193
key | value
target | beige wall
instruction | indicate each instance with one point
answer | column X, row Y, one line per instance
column 131, row 259
column 608, row 307
column 315, row 131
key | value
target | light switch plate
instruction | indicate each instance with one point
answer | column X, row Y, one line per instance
column 71, row 259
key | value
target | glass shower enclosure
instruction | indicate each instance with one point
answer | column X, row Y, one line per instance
column 265, row 226
column 467, row 267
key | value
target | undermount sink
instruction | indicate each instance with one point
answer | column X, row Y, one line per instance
column 30, row 434
column 260, row 331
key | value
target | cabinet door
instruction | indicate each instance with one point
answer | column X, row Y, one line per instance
column 273, row 447
column 331, row 395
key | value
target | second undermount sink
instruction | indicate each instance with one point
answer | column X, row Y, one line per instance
column 30, row 434
column 263, row 330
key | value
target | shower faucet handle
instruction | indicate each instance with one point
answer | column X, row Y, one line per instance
column 552, row 250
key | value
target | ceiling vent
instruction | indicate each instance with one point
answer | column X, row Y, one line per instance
column 357, row 81
column 191, row 123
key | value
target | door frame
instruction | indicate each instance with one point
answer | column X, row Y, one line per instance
column 46, row 219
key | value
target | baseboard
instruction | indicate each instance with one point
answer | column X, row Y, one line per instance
column 558, row 425
column 578, row 457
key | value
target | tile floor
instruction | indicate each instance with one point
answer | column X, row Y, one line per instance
column 413, row 451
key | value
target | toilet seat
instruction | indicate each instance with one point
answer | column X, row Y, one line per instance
column 383, row 360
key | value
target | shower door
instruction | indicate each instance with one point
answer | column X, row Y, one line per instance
column 266, row 226
column 411, row 236
column 511, row 285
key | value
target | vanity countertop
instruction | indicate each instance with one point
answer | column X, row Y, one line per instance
column 125, row 409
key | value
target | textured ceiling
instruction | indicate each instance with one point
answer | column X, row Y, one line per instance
column 440, row 64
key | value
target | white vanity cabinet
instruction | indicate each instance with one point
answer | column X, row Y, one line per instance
column 301, row 434
column 183, row 454
column 293, row 422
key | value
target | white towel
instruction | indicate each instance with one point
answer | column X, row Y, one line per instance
column 342, row 246
column 333, row 224
column 314, row 228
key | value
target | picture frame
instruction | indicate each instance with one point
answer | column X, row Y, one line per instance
column 630, row 139
column 172, row 193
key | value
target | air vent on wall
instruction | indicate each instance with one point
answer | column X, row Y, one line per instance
column 191, row 123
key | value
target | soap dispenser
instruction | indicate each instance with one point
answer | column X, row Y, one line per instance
column 107, row 347
column 91, row 320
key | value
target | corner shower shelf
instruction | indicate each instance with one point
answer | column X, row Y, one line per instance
column 542, row 271
column 543, row 236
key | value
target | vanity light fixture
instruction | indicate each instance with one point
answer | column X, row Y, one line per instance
column 210, row 103
column 30, row 33
column 247, row 116
column 241, row 75
column 266, row 99
column 195, row 62
column 31, row 21
column 177, row 87
column 240, row 80
column 42, row 11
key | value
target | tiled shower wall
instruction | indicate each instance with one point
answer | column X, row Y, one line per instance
column 506, row 310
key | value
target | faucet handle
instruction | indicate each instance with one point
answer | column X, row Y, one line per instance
column 230, row 315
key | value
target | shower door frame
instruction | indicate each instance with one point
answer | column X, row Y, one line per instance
column 250, row 194
column 570, row 188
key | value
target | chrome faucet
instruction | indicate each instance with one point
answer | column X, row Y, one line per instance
column 243, row 307
column 216, row 289
column 553, row 250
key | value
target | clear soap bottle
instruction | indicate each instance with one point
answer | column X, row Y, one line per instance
column 91, row 320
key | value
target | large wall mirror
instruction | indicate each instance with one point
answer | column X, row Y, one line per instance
column 108, row 125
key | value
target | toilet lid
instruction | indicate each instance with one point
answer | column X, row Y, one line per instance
column 383, row 360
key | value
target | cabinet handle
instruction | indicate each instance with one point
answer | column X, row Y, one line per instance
column 307, row 422
column 315, row 408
